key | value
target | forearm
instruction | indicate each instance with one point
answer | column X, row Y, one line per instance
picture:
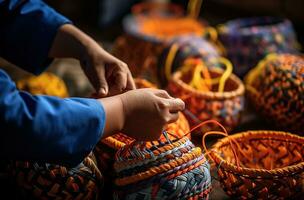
column 71, row 42
column 114, row 115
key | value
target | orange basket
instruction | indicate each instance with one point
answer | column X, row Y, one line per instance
column 223, row 106
column 261, row 165
column 147, row 35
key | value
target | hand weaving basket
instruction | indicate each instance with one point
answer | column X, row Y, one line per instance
column 161, row 170
column 49, row 181
column 222, row 101
column 146, row 37
column 276, row 87
column 106, row 148
column 260, row 165
column 248, row 40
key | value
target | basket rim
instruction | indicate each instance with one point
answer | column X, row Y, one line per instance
column 253, row 172
column 176, row 79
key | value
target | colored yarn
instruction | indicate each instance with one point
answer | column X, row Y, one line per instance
column 276, row 90
column 260, row 164
column 220, row 98
column 49, row 181
column 162, row 170
column 249, row 40
column 46, row 83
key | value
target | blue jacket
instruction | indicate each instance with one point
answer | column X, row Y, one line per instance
column 40, row 128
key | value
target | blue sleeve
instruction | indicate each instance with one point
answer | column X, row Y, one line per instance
column 47, row 129
column 27, row 31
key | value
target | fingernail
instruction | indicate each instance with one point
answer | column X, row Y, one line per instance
column 102, row 91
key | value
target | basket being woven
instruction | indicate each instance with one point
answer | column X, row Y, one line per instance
column 49, row 181
column 224, row 107
column 276, row 90
column 161, row 170
column 270, row 165
column 106, row 148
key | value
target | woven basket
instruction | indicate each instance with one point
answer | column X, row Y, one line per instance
column 182, row 48
column 225, row 107
column 271, row 165
column 49, row 181
column 248, row 40
column 276, row 87
column 168, row 170
column 141, row 50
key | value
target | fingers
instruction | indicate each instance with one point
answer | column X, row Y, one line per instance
column 162, row 94
column 173, row 117
column 130, row 82
column 175, row 105
column 103, row 88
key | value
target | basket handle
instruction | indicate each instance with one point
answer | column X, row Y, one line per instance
column 194, row 7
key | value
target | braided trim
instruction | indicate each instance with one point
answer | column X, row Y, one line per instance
column 200, row 161
column 154, row 158
column 91, row 165
column 157, row 152
column 258, row 173
column 113, row 143
column 162, row 168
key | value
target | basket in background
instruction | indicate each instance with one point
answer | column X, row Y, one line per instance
column 248, row 40
column 260, row 165
column 275, row 88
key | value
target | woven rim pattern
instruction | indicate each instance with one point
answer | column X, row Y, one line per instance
column 176, row 80
column 258, row 173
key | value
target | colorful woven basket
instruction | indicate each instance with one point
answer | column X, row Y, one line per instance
column 181, row 48
column 146, row 37
column 276, row 90
column 46, row 83
column 222, row 101
column 49, row 181
column 161, row 170
column 248, row 40
column 260, row 165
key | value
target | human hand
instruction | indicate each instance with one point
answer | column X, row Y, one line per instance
column 147, row 111
column 107, row 74
column 141, row 114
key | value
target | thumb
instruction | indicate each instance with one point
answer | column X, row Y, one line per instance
column 102, row 82
column 175, row 105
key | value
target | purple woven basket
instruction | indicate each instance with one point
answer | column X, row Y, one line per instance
column 249, row 40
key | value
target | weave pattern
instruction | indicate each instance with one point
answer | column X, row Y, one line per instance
column 162, row 170
column 248, row 40
column 224, row 107
column 276, row 88
column 271, row 165
column 49, row 181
